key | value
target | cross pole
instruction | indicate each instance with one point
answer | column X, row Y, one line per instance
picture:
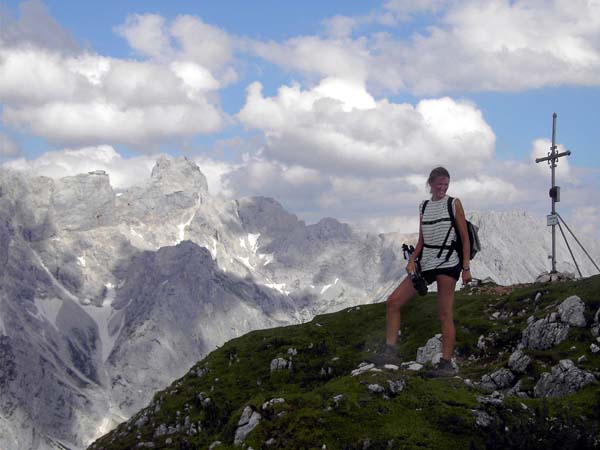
column 552, row 159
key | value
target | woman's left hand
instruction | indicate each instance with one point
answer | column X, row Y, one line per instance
column 466, row 276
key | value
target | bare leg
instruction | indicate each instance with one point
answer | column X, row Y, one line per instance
column 446, row 287
column 401, row 295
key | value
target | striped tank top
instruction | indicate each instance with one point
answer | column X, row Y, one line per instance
column 436, row 224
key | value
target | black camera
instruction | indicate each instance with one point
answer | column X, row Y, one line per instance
column 418, row 281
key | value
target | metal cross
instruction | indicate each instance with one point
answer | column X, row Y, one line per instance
column 552, row 158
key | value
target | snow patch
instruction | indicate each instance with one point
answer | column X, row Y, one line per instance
column 246, row 262
column 213, row 250
column 327, row 286
column 183, row 226
column 81, row 261
column 250, row 242
column 268, row 256
column 135, row 233
column 48, row 309
column 102, row 315
column 279, row 287
column 253, row 241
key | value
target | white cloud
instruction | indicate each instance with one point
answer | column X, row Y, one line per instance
column 8, row 147
column 586, row 221
column 147, row 34
column 101, row 121
column 123, row 172
column 467, row 46
column 34, row 26
column 205, row 44
column 56, row 164
column 337, row 126
column 404, row 9
column 497, row 45
column 541, row 149
column 338, row 58
column 88, row 99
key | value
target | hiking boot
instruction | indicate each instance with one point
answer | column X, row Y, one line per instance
column 443, row 369
column 387, row 355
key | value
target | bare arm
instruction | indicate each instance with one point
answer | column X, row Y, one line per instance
column 410, row 267
column 461, row 225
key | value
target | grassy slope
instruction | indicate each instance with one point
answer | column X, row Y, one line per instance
column 435, row 414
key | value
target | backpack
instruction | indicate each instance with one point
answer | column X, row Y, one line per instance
column 456, row 245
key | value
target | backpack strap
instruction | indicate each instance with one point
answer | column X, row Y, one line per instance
column 423, row 208
column 452, row 225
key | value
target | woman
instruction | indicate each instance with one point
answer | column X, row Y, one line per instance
column 438, row 263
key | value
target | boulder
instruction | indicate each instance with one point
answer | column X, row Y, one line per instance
column 543, row 334
column 565, row 378
column 396, row 386
column 249, row 420
column 571, row 311
column 278, row 364
column 500, row 379
column 519, row 361
column 431, row 351
column 375, row 388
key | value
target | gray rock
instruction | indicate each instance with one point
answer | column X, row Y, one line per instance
column 375, row 388
column 565, row 378
column 594, row 348
column 249, row 420
column 571, row 311
column 543, row 278
column 431, row 350
column 362, row 368
column 278, row 364
column 272, row 402
column 495, row 398
column 481, row 345
column 83, row 202
column 482, row 418
column 515, row 391
column 542, row 334
column 519, row 361
column 500, row 379
column 396, row 386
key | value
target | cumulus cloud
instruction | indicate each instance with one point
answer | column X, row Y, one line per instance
column 83, row 98
column 147, row 34
column 8, row 147
column 586, row 221
column 123, row 172
column 36, row 27
column 312, row 55
column 470, row 46
column 337, row 126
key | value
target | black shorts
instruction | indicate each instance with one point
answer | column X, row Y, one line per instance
column 453, row 272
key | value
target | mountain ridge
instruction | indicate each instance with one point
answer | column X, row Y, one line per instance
column 74, row 253
column 307, row 386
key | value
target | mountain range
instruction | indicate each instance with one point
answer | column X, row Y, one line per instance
column 107, row 295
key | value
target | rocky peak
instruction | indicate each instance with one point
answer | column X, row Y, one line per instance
column 330, row 228
column 83, row 201
column 178, row 174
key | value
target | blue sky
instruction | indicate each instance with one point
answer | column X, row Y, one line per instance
column 335, row 108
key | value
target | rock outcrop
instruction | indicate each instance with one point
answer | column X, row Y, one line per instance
column 544, row 333
column 565, row 378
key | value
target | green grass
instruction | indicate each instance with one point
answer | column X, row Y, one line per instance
column 427, row 414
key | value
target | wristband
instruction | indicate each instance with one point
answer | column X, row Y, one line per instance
column 466, row 269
